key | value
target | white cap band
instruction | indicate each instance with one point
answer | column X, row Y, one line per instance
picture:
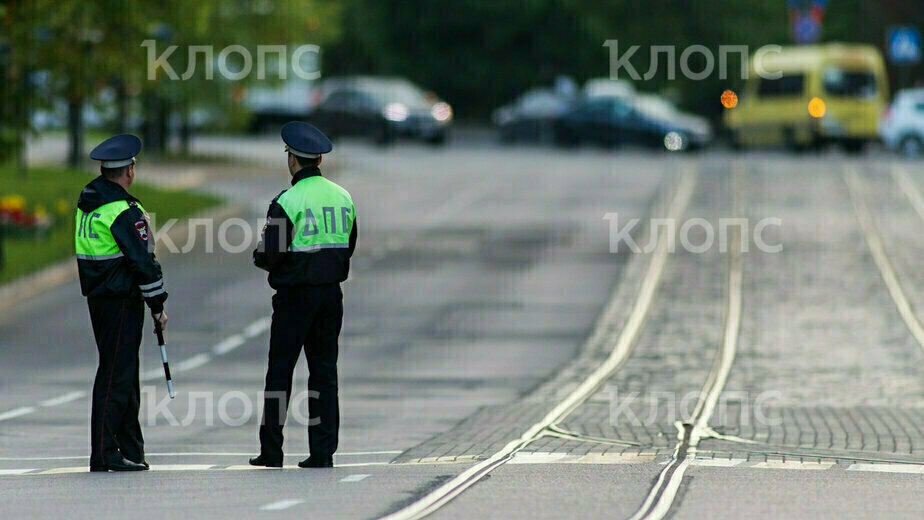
column 303, row 154
column 117, row 164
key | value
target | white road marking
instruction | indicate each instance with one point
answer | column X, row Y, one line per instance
column 152, row 374
column 194, row 362
column 888, row 468
column 793, row 464
column 206, row 454
column 181, row 467
column 282, row 504
column 717, row 463
column 536, row 457
column 229, row 344
column 613, row 458
column 62, row 471
column 258, row 327
column 355, row 478
column 66, row 398
column 880, row 257
column 360, row 464
column 435, row 499
column 16, row 412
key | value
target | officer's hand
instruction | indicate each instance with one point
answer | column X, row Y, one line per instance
column 162, row 319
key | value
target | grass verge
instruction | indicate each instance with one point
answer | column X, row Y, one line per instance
column 56, row 190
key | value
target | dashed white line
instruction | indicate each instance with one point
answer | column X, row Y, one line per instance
column 16, row 412
column 361, row 464
column 793, row 464
column 355, row 478
column 181, row 467
column 282, row 504
column 66, row 398
column 717, row 463
column 256, row 328
column 229, row 344
column 888, row 468
column 194, row 362
column 152, row 374
column 208, row 454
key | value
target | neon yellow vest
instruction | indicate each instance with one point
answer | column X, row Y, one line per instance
column 93, row 239
column 322, row 213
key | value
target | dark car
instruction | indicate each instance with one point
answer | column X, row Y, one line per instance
column 381, row 108
column 531, row 117
column 642, row 120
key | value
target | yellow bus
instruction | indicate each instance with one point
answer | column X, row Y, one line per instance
column 806, row 96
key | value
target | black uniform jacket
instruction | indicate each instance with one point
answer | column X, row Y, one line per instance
column 137, row 272
column 290, row 269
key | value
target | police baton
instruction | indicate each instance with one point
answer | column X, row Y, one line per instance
column 163, row 355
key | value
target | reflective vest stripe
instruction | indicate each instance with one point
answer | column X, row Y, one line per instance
column 153, row 293
column 100, row 257
column 150, row 286
column 318, row 247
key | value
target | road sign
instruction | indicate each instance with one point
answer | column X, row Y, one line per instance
column 807, row 30
column 903, row 45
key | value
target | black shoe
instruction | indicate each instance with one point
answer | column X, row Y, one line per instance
column 94, row 469
column 317, row 462
column 260, row 460
column 124, row 464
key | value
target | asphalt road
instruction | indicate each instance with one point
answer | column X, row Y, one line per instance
column 496, row 352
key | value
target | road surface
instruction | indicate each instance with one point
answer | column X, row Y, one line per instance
column 503, row 356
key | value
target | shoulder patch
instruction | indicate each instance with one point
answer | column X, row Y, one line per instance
column 141, row 227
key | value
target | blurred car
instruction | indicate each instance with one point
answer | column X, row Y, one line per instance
column 272, row 107
column 531, row 117
column 849, row 82
column 644, row 120
column 382, row 108
column 902, row 124
column 605, row 87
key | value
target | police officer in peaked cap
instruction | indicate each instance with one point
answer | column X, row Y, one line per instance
column 118, row 275
column 306, row 247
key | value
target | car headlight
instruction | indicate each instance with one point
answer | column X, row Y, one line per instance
column 441, row 111
column 395, row 112
column 674, row 141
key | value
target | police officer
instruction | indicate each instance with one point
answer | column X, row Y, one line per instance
column 306, row 248
column 118, row 275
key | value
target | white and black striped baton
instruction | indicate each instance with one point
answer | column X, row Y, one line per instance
column 163, row 356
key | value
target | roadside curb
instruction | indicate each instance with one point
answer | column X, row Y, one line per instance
column 30, row 285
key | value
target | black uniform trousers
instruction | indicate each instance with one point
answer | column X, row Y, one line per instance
column 114, row 427
column 309, row 318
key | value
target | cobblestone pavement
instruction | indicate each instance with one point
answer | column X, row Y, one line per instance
column 826, row 369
